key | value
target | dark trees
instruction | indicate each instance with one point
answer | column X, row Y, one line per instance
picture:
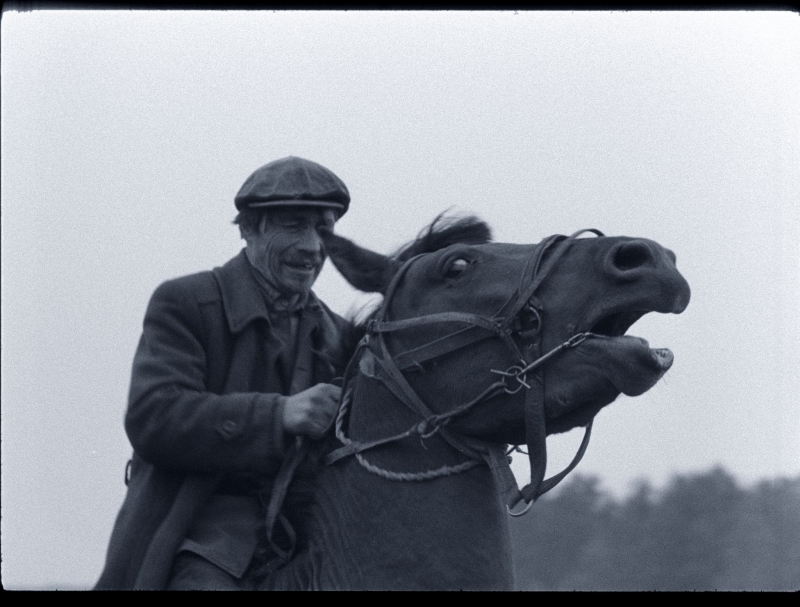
column 702, row 532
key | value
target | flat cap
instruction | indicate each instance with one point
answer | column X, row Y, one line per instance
column 293, row 181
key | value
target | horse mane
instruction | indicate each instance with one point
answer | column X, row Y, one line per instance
column 443, row 232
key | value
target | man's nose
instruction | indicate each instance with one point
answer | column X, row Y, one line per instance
column 309, row 241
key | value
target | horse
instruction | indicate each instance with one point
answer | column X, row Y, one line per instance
column 477, row 347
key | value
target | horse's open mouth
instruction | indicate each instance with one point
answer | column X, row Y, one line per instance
column 616, row 324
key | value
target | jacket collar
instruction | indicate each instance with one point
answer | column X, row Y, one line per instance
column 241, row 294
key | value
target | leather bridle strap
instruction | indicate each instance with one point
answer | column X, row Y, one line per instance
column 551, row 482
column 497, row 460
column 448, row 343
column 451, row 342
column 280, row 487
column 535, row 418
column 536, row 271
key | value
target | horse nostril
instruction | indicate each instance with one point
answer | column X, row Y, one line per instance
column 632, row 255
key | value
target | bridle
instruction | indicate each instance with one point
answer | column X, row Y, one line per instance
column 373, row 352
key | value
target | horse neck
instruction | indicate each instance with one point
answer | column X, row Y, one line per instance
column 374, row 532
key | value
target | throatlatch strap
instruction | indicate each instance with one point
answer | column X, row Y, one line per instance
column 554, row 480
column 536, row 437
column 497, row 460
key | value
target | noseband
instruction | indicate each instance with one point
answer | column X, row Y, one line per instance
column 388, row 369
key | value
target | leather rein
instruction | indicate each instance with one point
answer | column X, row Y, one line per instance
column 373, row 353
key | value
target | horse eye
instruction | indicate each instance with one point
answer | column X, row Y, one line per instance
column 456, row 267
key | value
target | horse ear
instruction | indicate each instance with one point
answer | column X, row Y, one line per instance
column 364, row 269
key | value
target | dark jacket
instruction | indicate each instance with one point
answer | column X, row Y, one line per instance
column 205, row 400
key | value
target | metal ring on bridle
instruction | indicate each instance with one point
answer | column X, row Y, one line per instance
column 517, row 372
column 520, row 512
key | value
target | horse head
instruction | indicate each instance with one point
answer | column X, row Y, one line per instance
column 477, row 330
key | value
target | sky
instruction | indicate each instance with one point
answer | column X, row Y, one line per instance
column 126, row 135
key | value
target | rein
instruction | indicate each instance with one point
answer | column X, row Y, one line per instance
column 389, row 368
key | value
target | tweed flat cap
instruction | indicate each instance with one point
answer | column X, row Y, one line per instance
column 293, row 181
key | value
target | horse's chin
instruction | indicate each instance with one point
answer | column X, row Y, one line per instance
column 607, row 367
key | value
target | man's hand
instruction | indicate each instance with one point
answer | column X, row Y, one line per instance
column 310, row 412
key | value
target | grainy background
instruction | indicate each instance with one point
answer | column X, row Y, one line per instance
column 126, row 134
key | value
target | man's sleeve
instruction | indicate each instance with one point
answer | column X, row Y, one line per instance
column 172, row 420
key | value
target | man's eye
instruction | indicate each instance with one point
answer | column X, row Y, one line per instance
column 456, row 267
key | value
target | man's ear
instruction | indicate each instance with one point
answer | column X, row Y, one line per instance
column 253, row 231
column 364, row 269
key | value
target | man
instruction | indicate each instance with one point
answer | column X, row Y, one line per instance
column 233, row 372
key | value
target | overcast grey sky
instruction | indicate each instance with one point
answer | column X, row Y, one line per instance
column 125, row 136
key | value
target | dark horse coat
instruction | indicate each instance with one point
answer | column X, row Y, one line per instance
column 204, row 401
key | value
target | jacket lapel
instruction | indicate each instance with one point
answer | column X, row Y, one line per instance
column 241, row 297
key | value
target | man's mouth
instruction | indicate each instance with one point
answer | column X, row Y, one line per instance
column 302, row 266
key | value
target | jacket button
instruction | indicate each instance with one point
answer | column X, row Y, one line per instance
column 229, row 427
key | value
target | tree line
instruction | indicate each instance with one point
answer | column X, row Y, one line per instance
column 701, row 532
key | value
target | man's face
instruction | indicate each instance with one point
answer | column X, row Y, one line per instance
column 287, row 248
